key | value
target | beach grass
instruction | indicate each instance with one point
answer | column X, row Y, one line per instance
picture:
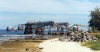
column 94, row 45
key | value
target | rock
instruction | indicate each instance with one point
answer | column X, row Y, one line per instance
column 27, row 49
column 62, row 39
column 41, row 48
column 77, row 37
column 94, row 38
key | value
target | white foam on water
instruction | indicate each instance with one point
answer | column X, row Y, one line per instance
column 58, row 46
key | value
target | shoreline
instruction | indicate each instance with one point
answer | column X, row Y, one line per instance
column 20, row 46
column 42, row 46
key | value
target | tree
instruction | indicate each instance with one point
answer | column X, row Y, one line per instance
column 94, row 22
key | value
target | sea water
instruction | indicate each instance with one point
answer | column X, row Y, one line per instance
column 18, row 32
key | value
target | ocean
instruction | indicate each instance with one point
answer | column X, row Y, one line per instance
column 17, row 32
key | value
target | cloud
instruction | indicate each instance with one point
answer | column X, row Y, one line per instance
column 57, row 10
column 48, row 6
column 34, row 6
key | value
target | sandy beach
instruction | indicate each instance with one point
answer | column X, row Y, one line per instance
column 57, row 46
column 51, row 45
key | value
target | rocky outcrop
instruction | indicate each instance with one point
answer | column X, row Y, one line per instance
column 77, row 37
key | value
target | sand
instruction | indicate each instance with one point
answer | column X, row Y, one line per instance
column 52, row 45
column 20, row 46
column 56, row 46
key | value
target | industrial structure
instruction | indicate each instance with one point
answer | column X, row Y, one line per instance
column 40, row 26
column 70, row 34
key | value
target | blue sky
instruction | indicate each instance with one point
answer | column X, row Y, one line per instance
column 13, row 12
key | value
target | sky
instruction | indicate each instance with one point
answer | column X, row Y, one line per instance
column 13, row 12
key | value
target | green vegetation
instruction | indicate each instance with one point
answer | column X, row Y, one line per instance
column 94, row 22
column 98, row 36
column 93, row 31
column 94, row 45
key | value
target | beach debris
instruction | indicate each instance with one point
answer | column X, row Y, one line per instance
column 41, row 48
column 27, row 49
column 62, row 39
